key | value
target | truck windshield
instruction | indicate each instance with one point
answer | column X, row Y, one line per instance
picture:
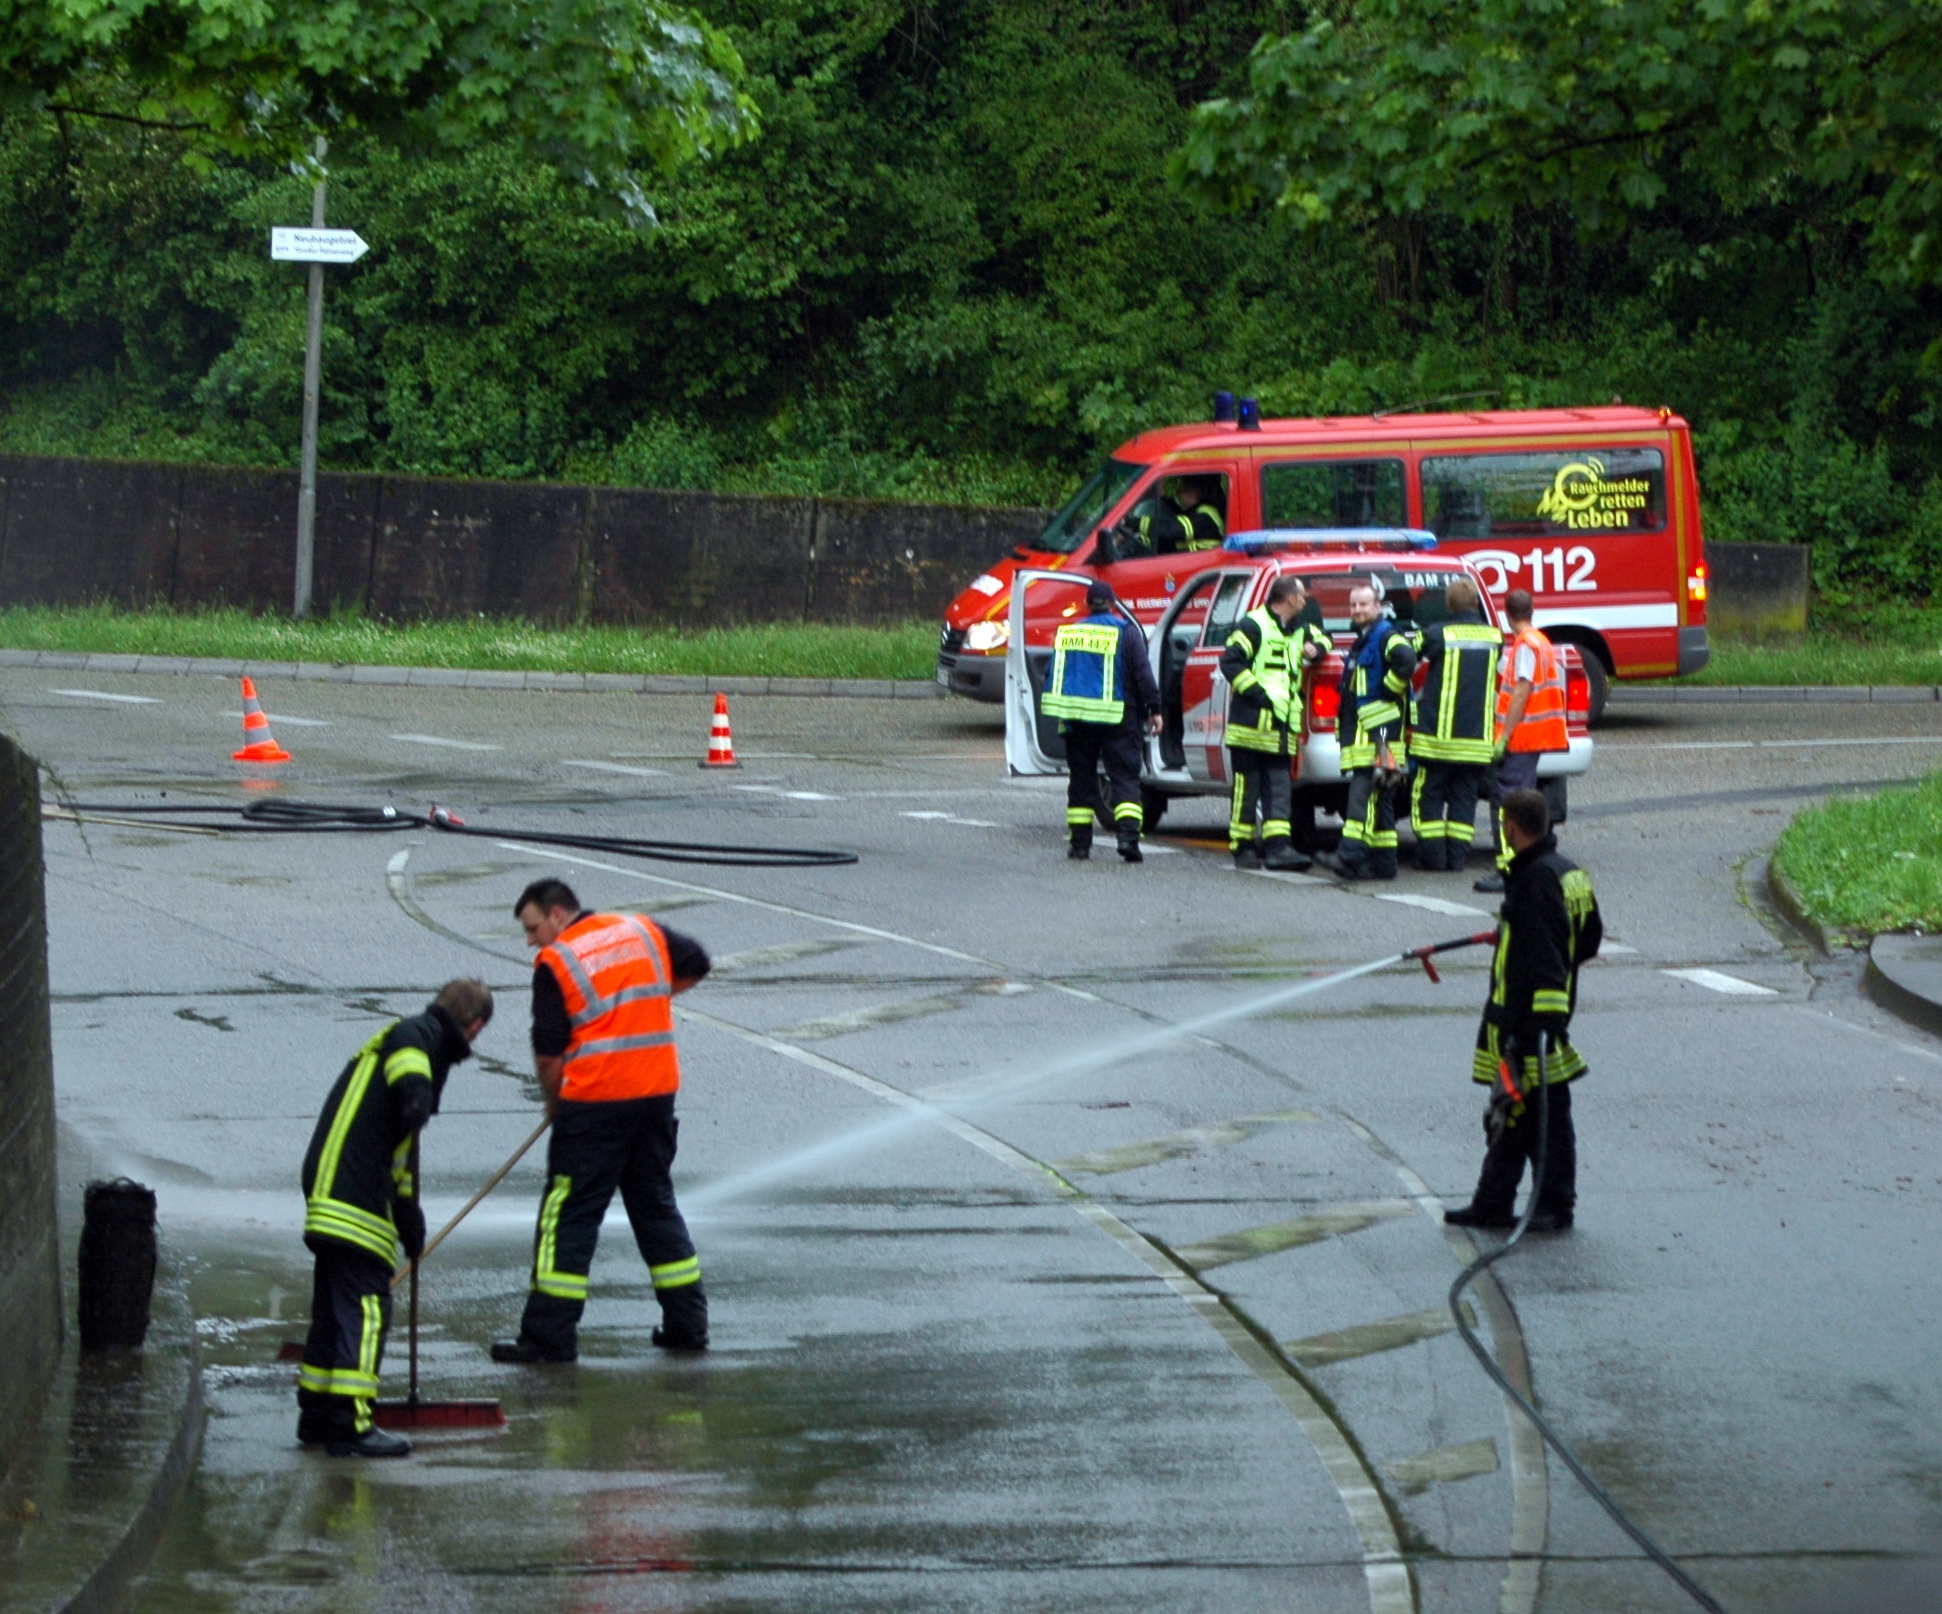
column 1084, row 510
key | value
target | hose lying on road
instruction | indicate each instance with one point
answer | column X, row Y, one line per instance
column 1468, row 1275
column 320, row 818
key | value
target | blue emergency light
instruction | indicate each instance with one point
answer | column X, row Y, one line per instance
column 1223, row 408
column 1249, row 543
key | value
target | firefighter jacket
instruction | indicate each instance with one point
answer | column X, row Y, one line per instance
column 1375, row 684
column 1100, row 673
column 1263, row 667
column 1549, row 928
column 1455, row 715
column 1184, row 531
column 359, row 1160
column 616, row 980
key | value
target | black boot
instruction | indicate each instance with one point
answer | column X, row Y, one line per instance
column 1247, row 856
column 1433, row 857
column 1470, row 1216
column 525, row 1350
column 373, row 1442
column 1282, row 855
column 1490, row 882
column 1129, row 844
column 1081, row 847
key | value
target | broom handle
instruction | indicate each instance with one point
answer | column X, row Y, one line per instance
column 417, row 1187
column 491, row 1183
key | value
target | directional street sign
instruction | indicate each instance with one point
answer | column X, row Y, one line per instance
column 295, row 245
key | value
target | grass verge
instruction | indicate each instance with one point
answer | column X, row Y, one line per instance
column 1822, row 658
column 776, row 650
column 1869, row 863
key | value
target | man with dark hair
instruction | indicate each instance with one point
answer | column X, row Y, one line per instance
column 1190, row 520
column 360, row 1184
column 1263, row 663
column 1549, row 929
column 1530, row 717
column 1101, row 689
column 1454, row 731
column 603, row 1045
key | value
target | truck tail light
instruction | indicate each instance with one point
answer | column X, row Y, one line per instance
column 1324, row 706
column 1696, row 584
column 1577, row 694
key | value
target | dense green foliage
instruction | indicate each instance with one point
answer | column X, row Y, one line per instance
column 1869, row 863
column 781, row 650
column 954, row 265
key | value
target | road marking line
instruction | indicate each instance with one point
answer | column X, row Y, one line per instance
column 1731, row 985
column 616, row 767
column 1251, row 1243
column 1151, row 1151
column 455, row 745
column 758, row 957
column 285, row 717
column 1444, row 1466
column 1385, row 1570
column 949, row 818
column 1370, row 1339
column 809, row 795
column 1432, row 904
column 1286, row 876
column 1615, row 947
column 103, row 695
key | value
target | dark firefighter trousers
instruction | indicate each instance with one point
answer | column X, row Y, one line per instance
column 1087, row 746
column 1261, row 785
column 1513, row 771
column 1443, row 807
column 595, row 1148
column 350, row 1313
column 1516, row 1146
column 1369, row 825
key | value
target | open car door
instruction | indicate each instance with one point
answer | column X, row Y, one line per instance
column 1194, row 634
column 1033, row 744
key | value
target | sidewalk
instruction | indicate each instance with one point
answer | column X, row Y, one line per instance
column 340, row 672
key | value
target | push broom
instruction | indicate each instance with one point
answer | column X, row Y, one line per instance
column 416, row 1411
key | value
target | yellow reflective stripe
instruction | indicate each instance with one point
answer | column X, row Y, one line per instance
column 373, row 1338
column 1129, row 809
column 336, row 1380
column 1549, row 1000
column 403, row 1062
column 676, row 1274
column 401, row 1178
column 1078, row 815
column 547, row 1279
column 348, row 1106
column 1375, row 714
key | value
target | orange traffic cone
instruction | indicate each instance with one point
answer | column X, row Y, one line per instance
column 259, row 744
column 721, row 743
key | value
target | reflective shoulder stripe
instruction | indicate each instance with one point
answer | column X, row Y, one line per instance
column 347, row 1108
column 403, row 1062
column 652, row 943
column 570, row 962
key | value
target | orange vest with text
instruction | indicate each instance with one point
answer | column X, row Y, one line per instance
column 1543, row 727
column 618, row 983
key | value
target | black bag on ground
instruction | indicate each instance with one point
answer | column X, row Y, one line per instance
column 117, row 1264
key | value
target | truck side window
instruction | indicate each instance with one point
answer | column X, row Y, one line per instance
column 1333, row 493
column 1227, row 609
column 1555, row 494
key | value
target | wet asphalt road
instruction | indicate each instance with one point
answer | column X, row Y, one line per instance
column 1163, row 1334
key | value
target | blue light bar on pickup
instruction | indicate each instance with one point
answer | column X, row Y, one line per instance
column 1250, row 543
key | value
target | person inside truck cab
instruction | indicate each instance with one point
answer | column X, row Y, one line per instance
column 1188, row 516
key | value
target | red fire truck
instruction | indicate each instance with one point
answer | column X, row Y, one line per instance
column 1189, row 756
column 1595, row 511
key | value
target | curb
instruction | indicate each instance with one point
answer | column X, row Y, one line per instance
column 1718, row 694
column 342, row 672
column 1896, row 987
column 1787, row 902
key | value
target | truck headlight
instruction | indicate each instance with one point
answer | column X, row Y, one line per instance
column 981, row 638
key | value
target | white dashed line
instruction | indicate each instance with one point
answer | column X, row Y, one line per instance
column 1432, row 904
column 787, row 795
column 949, row 818
column 616, row 767
column 1615, row 947
column 1731, row 985
column 285, row 717
column 103, row 695
column 453, row 745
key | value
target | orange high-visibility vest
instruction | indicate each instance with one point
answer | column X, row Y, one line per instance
column 1542, row 727
column 617, row 980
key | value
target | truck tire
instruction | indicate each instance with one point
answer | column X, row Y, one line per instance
column 1600, row 683
column 1557, row 798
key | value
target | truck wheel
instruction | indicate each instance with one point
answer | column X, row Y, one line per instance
column 1600, row 683
column 1153, row 805
column 1557, row 798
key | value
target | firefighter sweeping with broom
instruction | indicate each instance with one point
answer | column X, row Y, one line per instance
column 361, row 1209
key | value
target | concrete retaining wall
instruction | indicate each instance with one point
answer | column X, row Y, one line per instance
column 75, row 530
column 1759, row 591
column 30, row 1319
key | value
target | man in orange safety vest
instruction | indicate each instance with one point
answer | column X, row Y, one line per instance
column 603, row 1043
column 1530, row 718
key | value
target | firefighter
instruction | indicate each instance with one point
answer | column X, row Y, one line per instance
column 1375, row 683
column 1530, row 718
column 603, row 1044
column 1262, row 664
column 1548, row 930
column 1191, row 520
column 361, row 1207
column 1101, row 688
column 1455, row 728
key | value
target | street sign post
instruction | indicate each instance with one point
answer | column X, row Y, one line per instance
column 315, row 246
